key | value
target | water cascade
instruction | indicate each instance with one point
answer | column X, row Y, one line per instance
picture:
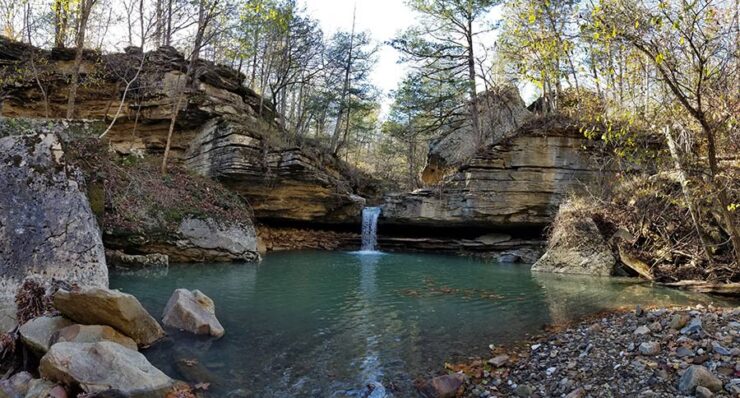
column 370, row 228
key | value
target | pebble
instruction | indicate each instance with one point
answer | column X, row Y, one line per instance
column 499, row 361
column 693, row 326
column 682, row 352
column 642, row 330
column 649, row 348
column 719, row 349
column 703, row 392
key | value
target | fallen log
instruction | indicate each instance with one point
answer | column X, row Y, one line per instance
column 732, row 289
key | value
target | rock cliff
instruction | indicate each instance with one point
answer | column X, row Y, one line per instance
column 47, row 227
column 225, row 131
column 515, row 182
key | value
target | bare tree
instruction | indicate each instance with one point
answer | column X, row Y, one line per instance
column 83, row 15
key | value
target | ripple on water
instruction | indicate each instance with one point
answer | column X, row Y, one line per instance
column 328, row 324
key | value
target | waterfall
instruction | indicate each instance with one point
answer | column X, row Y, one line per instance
column 370, row 228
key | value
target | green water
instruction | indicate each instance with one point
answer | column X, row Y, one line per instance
column 327, row 324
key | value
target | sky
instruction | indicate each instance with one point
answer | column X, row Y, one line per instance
column 382, row 18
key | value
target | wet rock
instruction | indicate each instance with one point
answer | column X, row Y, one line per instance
column 96, row 367
column 92, row 334
column 46, row 225
column 649, row 348
column 37, row 333
column 695, row 376
column 16, row 385
column 442, row 386
column 95, row 306
column 192, row 311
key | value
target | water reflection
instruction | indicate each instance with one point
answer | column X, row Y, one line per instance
column 567, row 295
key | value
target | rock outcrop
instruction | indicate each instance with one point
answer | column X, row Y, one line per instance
column 280, row 182
column 194, row 240
column 224, row 130
column 501, row 111
column 97, row 367
column 95, row 306
column 192, row 311
column 47, row 227
column 576, row 246
column 517, row 182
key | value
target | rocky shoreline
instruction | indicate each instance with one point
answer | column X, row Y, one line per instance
column 676, row 352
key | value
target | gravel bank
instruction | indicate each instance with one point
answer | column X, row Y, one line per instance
column 681, row 352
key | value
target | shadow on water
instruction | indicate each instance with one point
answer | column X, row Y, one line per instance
column 306, row 324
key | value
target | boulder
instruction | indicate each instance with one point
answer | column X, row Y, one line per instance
column 697, row 375
column 16, row 385
column 95, row 306
column 96, row 367
column 442, row 386
column 91, row 334
column 192, row 311
column 46, row 225
column 221, row 240
column 37, row 333
column 119, row 259
column 8, row 309
column 40, row 388
column 576, row 246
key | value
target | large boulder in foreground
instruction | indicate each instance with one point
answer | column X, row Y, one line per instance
column 576, row 245
column 95, row 306
column 92, row 334
column 37, row 333
column 192, row 311
column 96, row 367
column 46, row 225
column 445, row 386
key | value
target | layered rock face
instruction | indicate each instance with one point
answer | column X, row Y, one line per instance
column 501, row 113
column 224, row 130
column 46, row 225
column 280, row 183
column 517, row 182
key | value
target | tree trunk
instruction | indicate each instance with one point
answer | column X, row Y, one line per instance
column 685, row 189
column 472, row 86
column 84, row 14
column 730, row 225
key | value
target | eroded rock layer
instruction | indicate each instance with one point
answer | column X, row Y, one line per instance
column 224, row 130
column 518, row 182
